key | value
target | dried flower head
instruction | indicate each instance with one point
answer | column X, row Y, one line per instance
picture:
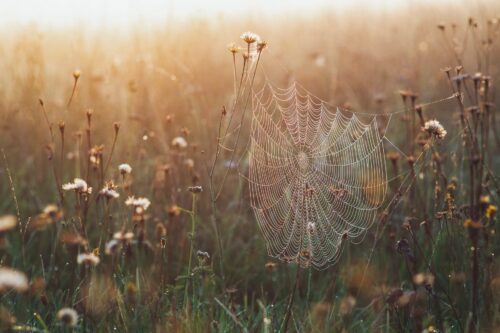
column 11, row 279
column 435, row 128
column 68, row 316
column 76, row 74
column 261, row 45
column 174, row 210
column 125, row 168
column 7, row 222
column 270, row 265
column 250, row 37
column 195, row 189
column 426, row 279
column 78, row 185
column 111, row 247
column 109, row 191
column 203, row 256
column 347, row 304
column 490, row 211
column 88, row 259
column 179, row 142
column 123, row 236
column 50, row 215
column 140, row 204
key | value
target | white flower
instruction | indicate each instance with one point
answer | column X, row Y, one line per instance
column 250, row 37
column 124, row 168
column 311, row 226
column 88, row 258
column 179, row 142
column 12, row 279
column 78, row 185
column 138, row 202
column 68, row 316
column 7, row 222
column 435, row 128
column 109, row 191
column 111, row 246
column 123, row 236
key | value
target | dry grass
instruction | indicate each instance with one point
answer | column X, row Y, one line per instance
column 195, row 264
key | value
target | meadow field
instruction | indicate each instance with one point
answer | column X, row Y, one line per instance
column 139, row 171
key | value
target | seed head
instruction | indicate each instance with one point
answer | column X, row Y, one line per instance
column 88, row 259
column 179, row 142
column 261, row 45
column 78, row 185
column 11, row 279
column 68, row 316
column 435, row 128
column 125, row 168
column 195, row 189
column 7, row 222
column 138, row 203
column 109, row 191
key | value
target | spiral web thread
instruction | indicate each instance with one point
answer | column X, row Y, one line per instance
column 317, row 174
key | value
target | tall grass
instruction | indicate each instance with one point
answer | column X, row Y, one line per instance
column 77, row 104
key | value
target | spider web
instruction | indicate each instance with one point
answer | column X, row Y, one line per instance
column 317, row 174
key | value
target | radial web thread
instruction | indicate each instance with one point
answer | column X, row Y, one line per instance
column 317, row 174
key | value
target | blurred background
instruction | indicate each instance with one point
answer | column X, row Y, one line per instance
column 162, row 70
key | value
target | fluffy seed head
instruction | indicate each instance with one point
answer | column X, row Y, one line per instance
column 12, row 279
column 125, row 168
column 142, row 203
column 179, row 142
column 78, row 185
column 68, row 316
column 7, row 222
column 88, row 258
column 435, row 128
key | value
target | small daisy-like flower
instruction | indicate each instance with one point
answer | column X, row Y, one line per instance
column 435, row 128
column 125, row 168
column 250, row 37
column 68, row 316
column 88, row 258
column 261, row 45
column 179, row 142
column 142, row 203
column 109, row 191
column 12, row 279
column 78, row 185
column 233, row 48
column 7, row 222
